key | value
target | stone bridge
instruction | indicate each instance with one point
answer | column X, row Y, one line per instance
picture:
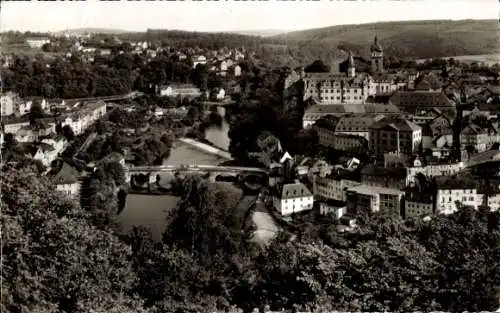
column 153, row 171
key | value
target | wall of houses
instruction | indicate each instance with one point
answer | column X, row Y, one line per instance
column 446, row 199
column 331, row 188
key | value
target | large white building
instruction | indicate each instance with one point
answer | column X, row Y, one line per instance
column 455, row 189
column 293, row 198
column 37, row 42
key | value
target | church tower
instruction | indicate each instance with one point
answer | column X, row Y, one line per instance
column 351, row 68
column 377, row 55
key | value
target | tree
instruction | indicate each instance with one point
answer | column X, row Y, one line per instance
column 53, row 259
column 68, row 133
column 317, row 67
column 36, row 111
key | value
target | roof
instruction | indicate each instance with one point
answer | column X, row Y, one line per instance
column 357, row 120
column 342, row 109
column 326, row 109
column 494, row 89
column 420, row 99
column 285, row 157
column 396, row 123
column 294, row 190
column 66, row 175
column 472, row 129
column 373, row 190
column 393, row 172
column 455, row 182
column 484, row 157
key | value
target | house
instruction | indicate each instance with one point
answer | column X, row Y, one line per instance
column 223, row 66
column 31, row 101
column 453, row 189
column 45, row 153
column 357, row 124
column 237, row 71
column 438, row 126
column 493, row 201
column 25, row 134
column 14, row 126
column 395, row 134
column 316, row 112
column 343, row 142
column 474, row 138
column 8, row 103
column 334, row 208
column 432, row 168
column 218, row 94
column 58, row 143
column 67, row 180
column 333, row 187
column 182, row 90
column 418, row 208
column 385, row 84
column 199, row 59
column 105, row 52
column 37, row 43
column 374, row 199
column 293, row 198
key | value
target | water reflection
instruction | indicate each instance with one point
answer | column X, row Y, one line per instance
column 218, row 135
column 151, row 210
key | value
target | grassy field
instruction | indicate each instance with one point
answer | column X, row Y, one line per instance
column 488, row 59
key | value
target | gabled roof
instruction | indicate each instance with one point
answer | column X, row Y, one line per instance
column 66, row 175
column 397, row 124
column 472, row 129
column 421, row 99
column 285, row 157
column 294, row 190
column 459, row 182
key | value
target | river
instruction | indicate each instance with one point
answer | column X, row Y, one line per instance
column 151, row 210
column 218, row 135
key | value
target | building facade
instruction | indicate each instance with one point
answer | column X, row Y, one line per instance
column 395, row 135
column 293, row 198
column 331, row 187
column 374, row 199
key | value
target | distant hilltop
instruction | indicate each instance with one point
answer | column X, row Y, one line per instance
column 261, row 33
column 423, row 39
column 82, row 31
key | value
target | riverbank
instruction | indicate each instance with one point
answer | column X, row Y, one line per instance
column 207, row 148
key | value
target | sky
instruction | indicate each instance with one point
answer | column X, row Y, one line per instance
column 230, row 15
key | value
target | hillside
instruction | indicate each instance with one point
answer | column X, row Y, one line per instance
column 418, row 39
column 91, row 30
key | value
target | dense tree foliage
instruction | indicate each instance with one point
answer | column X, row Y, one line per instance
column 56, row 260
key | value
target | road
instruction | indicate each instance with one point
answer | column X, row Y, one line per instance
column 266, row 226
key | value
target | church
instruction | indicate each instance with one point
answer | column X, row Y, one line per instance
column 350, row 87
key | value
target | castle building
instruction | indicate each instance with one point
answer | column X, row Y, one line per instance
column 377, row 56
column 337, row 88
